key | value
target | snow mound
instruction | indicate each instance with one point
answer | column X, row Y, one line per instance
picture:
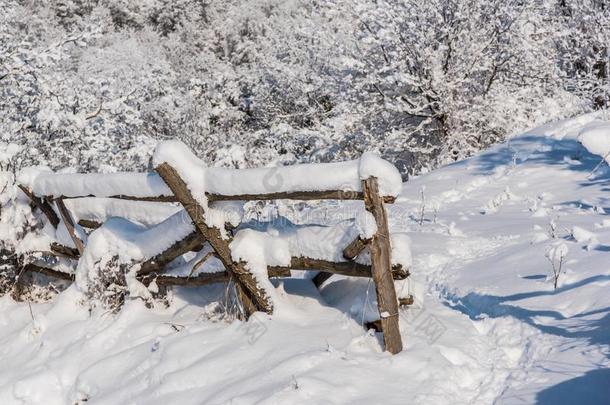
column 43, row 182
column 129, row 243
column 595, row 137
column 101, row 209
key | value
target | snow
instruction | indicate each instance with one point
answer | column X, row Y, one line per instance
column 8, row 151
column 188, row 267
column 487, row 326
column 100, row 209
column 129, row 242
column 595, row 137
column 275, row 246
column 46, row 183
column 365, row 222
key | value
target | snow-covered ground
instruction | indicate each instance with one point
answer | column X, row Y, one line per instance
column 488, row 325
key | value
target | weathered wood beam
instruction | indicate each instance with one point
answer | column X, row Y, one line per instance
column 162, row 198
column 201, row 261
column 297, row 263
column 296, row 195
column 406, row 301
column 87, row 223
column 347, row 268
column 42, row 205
column 349, row 253
column 192, row 241
column 69, row 223
column 354, row 248
column 251, row 295
column 381, row 267
column 321, row 278
column 201, row 279
column 63, row 250
column 31, row 267
column 293, row 195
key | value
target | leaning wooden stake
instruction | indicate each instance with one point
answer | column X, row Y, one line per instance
column 69, row 223
column 192, row 241
column 381, row 267
column 252, row 297
column 42, row 205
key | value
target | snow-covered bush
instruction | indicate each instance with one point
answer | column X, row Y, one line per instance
column 582, row 37
column 16, row 219
column 556, row 255
column 109, row 287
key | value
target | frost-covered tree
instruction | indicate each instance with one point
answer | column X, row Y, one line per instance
column 453, row 77
column 583, row 38
column 93, row 84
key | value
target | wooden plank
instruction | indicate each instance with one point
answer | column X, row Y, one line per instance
column 193, row 241
column 66, row 251
column 381, row 268
column 296, row 195
column 344, row 268
column 251, row 295
column 162, row 198
column 297, row 263
column 406, row 301
column 42, row 205
column 321, row 278
column 49, row 272
column 69, row 223
column 347, row 268
column 204, row 278
column 87, row 223
column 293, row 195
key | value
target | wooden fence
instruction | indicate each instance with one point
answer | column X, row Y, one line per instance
column 252, row 296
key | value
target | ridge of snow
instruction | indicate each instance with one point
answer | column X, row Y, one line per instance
column 345, row 175
column 129, row 242
column 46, row 183
column 595, row 137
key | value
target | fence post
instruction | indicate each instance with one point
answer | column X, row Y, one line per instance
column 381, row 267
column 69, row 223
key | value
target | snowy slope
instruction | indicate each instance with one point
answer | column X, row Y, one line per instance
column 490, row 328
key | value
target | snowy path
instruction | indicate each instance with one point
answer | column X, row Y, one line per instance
column 490, row 329
column 485, row 258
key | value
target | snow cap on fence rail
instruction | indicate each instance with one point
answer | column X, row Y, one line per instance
column 101, row 209
column 129, row 243
column 44, row 182
column 345, row 175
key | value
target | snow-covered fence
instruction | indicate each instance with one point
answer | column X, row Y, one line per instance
column 143, row 228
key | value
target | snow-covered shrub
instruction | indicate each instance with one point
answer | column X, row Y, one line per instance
column 16, row 219
column 109, row 286
column 556, row 255
column 582, row 39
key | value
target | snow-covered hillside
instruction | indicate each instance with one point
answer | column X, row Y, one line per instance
column 488, row 325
